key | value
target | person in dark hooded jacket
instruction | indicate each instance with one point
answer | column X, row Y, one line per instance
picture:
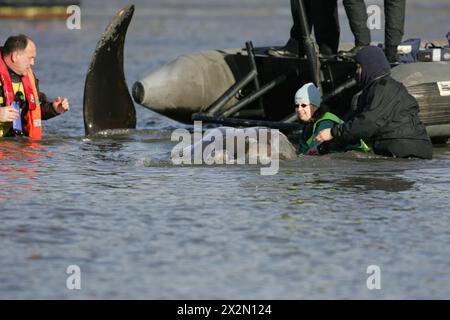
column 386, row 115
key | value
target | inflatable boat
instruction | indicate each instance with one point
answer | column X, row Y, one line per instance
column 233, row 83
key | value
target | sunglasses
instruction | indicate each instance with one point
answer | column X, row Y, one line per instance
column 297, row 105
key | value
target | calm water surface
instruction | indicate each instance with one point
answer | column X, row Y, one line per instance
column 141, row 228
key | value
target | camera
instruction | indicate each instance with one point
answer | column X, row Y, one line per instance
column 17, row 104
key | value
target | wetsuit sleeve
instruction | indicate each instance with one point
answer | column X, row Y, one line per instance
column 366, row 123
column 47, row 111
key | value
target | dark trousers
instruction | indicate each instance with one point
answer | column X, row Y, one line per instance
column 323, row 17
column 394, row 11
column 357, row 17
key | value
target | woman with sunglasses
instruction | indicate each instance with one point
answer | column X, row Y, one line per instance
column 316, row 118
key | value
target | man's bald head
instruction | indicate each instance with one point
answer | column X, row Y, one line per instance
column 19, row 53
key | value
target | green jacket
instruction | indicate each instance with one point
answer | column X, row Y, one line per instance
column 326, row 121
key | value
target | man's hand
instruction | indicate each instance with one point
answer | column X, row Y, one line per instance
column 60, row 105
column 324, row 135
column 8, row 114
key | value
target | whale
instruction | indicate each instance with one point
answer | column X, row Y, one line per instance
column 107, row 103
column 230, row 145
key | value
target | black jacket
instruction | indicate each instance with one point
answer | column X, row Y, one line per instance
column 387, row 118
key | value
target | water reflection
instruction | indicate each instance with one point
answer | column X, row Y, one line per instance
column 385, row 181
column 21, row 162
column 102, row 149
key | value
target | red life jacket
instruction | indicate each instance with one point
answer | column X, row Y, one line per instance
column 32, row 128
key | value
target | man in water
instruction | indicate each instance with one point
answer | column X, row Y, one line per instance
column 387, row 116
column 18, row 84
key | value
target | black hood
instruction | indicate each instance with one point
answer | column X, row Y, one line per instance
column 374, row 64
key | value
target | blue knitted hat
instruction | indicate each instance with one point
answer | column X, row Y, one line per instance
column 308, row 94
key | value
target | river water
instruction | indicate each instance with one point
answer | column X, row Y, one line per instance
column 140, row 228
